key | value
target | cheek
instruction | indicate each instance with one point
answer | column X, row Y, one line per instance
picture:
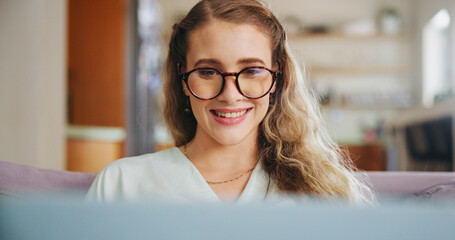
column 197, row 106
column 263, row 106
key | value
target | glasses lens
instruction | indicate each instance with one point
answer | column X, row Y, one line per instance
column 255, row 82
column 205, row 83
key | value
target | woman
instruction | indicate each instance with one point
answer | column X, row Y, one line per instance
column 245, row 126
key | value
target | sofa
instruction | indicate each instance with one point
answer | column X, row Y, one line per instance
column 17, row 180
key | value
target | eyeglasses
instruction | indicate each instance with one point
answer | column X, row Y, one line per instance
column 251, row 82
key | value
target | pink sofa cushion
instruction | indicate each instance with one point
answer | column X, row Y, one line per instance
column 406, row 183
column 18, row 179
column 442, row 191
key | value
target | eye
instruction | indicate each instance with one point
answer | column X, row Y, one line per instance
column 251, row 72
column 207, row 72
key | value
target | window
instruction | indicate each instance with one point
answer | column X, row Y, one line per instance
column 437, row 72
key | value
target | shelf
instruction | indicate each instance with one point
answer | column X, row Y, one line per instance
column 362, row 108
column 371, row 102
column 344, row 54
column 395, row 70
column 309, row 36
column 95, row 133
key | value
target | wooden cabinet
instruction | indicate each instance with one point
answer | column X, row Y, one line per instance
column 91, row 155
column 96, row 80
column 368, row 157
column 96, row 62
column 90, row 149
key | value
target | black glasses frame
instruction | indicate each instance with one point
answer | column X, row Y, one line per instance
column 275, row 76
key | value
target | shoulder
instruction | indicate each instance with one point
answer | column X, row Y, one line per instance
column 159, row 159
column 129, row 177
column 152, row 166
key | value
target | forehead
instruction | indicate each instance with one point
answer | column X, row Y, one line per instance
column 228, row 43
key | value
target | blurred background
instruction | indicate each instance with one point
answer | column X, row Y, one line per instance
column 80, row 80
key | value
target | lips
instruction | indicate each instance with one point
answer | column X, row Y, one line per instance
column 230, row 116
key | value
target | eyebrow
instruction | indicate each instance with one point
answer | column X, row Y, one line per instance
column 250, row 60
column 239, row 62
column 207, row 61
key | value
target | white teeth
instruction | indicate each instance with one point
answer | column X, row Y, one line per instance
column 231, row 114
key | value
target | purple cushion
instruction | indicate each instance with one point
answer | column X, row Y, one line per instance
column 442, row 191
column 406, row 183
column 18, row 179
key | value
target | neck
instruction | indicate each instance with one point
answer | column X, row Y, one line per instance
column 213, row 156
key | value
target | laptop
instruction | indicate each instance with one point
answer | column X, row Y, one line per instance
column 60, row 218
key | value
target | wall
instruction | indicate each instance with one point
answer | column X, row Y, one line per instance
column 32, row 82
column 349, row 123
column 425, row 11
column 309, row 11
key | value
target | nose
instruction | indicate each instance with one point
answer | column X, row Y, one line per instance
column 230, row 92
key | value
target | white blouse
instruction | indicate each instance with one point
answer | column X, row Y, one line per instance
column 169, row 176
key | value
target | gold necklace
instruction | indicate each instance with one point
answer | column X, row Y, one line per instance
column 221, row 182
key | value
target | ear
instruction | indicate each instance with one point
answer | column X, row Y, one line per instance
column 186, row 91
column 273, row 88
column 180, row 68
column 276, row 65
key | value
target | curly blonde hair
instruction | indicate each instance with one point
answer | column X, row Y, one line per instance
column 293, row 147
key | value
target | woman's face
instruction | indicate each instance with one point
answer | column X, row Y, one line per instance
column 230, row 118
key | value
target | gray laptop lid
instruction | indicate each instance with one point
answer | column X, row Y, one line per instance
column 60, row 219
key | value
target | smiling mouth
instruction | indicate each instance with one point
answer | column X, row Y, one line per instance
column 231, row 114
